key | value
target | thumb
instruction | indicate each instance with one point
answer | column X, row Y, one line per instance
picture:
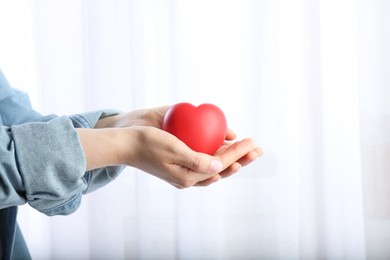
column 200, row 162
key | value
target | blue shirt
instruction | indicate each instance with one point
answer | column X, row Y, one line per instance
column 42, row 163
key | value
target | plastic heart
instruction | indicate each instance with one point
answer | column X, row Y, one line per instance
column 201, row 128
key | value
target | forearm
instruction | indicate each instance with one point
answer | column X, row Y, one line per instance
column 105, row 147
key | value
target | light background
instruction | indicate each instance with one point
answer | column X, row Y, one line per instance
column 308, row 79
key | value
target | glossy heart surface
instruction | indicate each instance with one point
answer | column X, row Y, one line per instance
column 201, row 128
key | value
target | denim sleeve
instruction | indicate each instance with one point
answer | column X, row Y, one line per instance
column 42, row 161
column 102, row 176
column 46, row 165
column 43, row 164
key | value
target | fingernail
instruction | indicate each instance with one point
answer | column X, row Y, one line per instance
column 216, row 166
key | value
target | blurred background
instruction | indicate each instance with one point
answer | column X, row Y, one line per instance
column 307, row 79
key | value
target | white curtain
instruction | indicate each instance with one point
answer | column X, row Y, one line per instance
column 308, row 79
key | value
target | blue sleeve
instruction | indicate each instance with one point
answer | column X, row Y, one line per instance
column 42, row 161
column 42, row 164
column 15, row 107
column 99, row 177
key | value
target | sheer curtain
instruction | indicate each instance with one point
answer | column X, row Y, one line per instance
column 307, row 79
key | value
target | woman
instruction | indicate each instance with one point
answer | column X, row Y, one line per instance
column 49, row 162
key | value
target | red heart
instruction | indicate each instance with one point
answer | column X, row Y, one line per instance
column 201, row 128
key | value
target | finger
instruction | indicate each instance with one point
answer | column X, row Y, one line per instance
column 209, row 181
column 250, row 157
column 230, row 135
column 236, row 151
column 161, row 111
column 197, row 162
column 232, row 169
column 245, row 160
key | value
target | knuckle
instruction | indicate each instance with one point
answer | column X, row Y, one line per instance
column 196, row 163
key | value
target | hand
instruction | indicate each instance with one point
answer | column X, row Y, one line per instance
column 153, row 118
column 143, row 117
column 232, row 157
column 166, row 157
column 163, row 155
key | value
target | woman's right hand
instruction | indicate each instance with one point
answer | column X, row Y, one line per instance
column 166, row 157
column 161, row 154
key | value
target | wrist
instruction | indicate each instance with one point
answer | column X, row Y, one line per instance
column 104, row 147
column 126, row 143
